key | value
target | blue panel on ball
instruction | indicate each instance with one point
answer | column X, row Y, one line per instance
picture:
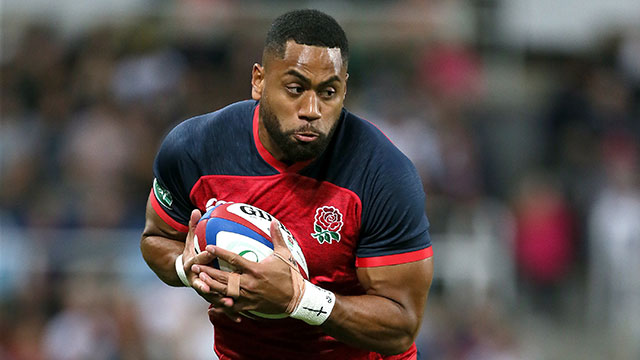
column 215, row 225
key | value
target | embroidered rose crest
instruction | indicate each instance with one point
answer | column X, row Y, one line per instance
column 327, row 225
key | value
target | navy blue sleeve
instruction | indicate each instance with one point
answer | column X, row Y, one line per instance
column 174, row 170
column 394, row 220
column 191, row 150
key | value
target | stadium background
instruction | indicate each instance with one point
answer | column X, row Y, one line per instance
column 522, row 117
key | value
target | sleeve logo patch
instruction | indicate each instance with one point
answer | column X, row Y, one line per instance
column 163, row 195
column 327, row 225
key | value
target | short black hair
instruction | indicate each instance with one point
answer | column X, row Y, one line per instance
column 306, row 27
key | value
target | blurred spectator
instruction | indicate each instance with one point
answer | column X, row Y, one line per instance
column 449, row 76
column 149, row 72
column 80, row 331
column 94, row 59
column 614, row 242
column 450, row 72
column 97, row 153
column 174, row 323
column 475, row 247
column 544, row 243
column 23, row 316
column 34, row 113
column 593, row 101
column 473, row 333
column 96, row 321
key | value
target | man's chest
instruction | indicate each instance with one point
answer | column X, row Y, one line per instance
column 324, row 218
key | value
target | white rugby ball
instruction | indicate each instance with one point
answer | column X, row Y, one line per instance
column 245, row 230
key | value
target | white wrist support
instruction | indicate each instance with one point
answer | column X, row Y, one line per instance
column 315, row 306
column 180, row 271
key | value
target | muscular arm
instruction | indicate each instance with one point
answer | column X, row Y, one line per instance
column 387, row 319
column 160, row 245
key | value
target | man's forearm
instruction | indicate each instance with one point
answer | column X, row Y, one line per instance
column 373, row 322
column 160, row 254
column 387, row 319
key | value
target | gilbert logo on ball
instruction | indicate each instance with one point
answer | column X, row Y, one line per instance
column 245, row 230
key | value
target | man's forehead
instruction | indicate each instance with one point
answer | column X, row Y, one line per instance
column 313, row 57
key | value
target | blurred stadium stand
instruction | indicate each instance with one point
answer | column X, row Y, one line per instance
column 522, row 117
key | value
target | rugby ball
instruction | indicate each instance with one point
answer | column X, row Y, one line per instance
column 245, row 230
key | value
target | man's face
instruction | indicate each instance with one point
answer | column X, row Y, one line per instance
column 301, row 97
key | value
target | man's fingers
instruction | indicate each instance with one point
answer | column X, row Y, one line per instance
column 215, row 285
column 200, row 286
column 217, row 280
column 221, row 306
column 235, row 260
column 203, row 258
column 219, row 300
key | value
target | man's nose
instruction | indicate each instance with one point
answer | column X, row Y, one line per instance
column 309, row 107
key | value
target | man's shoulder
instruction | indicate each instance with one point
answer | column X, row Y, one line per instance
column 202, row 137
column 217, row 124
column 364, row 141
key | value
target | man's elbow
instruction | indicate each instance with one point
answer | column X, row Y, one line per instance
column 398, row 346
column 400, row 343
column 145, row 248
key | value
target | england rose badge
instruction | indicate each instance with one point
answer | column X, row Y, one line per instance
column 327, row 224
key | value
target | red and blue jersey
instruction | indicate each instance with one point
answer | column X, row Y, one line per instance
column 359, row 204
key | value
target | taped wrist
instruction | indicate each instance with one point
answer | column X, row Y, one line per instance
column 309, row 303
column 315, row 304
column 179, row 265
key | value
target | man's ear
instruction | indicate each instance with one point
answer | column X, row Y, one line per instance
column 257, row 81
column 345, row 85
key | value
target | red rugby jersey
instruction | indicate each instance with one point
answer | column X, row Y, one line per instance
column 359, row 204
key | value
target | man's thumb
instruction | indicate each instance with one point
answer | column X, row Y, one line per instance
column 276, row 236
column 193, row 222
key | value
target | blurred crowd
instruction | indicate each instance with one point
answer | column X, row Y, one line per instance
column 534, row 205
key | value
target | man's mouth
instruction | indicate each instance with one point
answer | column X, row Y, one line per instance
column 305, row 136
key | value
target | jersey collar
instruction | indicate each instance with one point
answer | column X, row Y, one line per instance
column 266, row 155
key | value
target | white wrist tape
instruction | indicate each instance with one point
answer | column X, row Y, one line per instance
column 315, row 306
column 180, row 271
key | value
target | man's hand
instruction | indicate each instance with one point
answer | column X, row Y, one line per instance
column 189, row 256
column 265, row 286
column 221, row 304
column 161, row 243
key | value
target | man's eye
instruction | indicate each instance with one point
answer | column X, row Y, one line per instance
column 328, row 92
column 294, row 89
